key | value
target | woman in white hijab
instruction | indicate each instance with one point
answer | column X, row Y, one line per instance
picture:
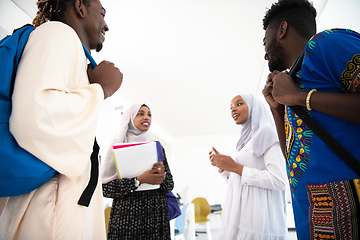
column 137, row 214
column 254, row 206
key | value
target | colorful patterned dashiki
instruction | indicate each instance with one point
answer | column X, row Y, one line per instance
column 316, row 174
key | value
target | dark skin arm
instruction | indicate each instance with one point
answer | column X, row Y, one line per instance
column 277, row 110
column 340, row 105
column 280, row 90
column 224, row 162
column 107, row 75
column 155, row 175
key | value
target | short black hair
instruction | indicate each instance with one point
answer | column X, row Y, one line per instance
column 299, row 14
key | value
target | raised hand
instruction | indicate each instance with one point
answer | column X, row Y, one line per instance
column 224, row 162
column 268, row 88
column 285, row 91
column 107, row 75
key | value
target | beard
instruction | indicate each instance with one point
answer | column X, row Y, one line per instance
column 99, row 47
column 276, row 55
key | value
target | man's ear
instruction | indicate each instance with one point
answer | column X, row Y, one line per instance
column 80, row 8
column 282, row 29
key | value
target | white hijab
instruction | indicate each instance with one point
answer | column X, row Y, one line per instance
column 127, row 133
column 259, row 126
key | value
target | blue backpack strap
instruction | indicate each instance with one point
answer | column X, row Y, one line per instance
column 12, row 47
column 24, row 33
column 88, row 55
column 160, row 152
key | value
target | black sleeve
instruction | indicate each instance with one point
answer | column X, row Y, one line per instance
column 168, row 184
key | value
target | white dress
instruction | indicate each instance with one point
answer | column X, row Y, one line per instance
column 254, row 206
column 55, row 113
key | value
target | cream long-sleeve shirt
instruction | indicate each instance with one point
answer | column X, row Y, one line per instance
column 54, row 117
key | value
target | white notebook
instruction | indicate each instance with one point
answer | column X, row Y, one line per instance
column 133, row 159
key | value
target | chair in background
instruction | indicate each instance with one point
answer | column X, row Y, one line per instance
column 202, row 211
column 180, row 223
column 107, row 218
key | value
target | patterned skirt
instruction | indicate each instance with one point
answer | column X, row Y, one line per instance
column 140, row 215
column 334, row 210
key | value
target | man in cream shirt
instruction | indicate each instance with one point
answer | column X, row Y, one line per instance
column 56, row 104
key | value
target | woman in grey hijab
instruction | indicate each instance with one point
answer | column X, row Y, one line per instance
column 254, row 206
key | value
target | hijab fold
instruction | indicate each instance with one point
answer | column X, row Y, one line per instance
column 259, row 126
column 127, row 133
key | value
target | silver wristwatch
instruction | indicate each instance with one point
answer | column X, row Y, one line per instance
column 137, row 182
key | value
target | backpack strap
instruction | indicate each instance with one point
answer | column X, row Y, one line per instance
column 324, row 135
column 86, row 196
column 88, row 55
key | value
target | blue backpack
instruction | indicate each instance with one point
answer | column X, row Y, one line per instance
column 20, row 171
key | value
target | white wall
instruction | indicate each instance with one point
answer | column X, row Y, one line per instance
column 8, row 23
column 194, row 176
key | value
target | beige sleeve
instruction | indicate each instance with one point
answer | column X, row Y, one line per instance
column 55, row 109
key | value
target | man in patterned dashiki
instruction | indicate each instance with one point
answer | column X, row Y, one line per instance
column 324, row 189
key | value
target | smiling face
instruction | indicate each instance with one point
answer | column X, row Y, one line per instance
column 142, row 121
column 274, row 51
column 239, row 110
column 95, row 25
